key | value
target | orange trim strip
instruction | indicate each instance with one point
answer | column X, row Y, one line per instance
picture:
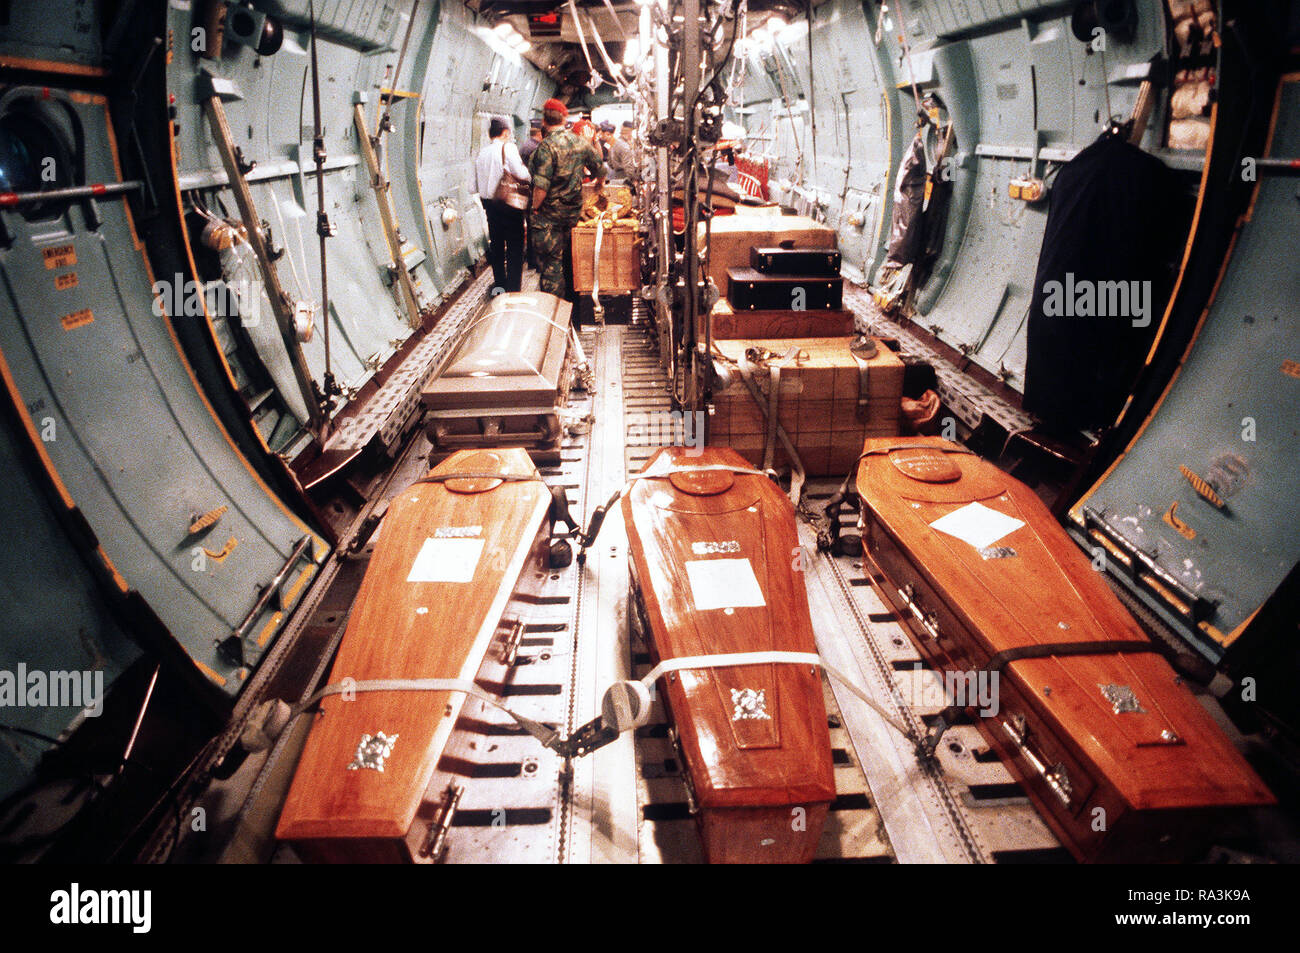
column 274, row 623
column 208, row 672
column 51, row 66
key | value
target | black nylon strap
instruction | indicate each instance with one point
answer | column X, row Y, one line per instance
column 1001, row 660
column 504, row 477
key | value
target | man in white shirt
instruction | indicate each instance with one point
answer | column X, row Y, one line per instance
column 505, row 224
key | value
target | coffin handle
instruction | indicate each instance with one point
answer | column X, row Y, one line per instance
column 1057, row 778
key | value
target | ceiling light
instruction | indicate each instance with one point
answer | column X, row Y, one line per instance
column 793, row 31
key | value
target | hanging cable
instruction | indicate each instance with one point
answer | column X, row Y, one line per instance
column 609, row 63
column 812, row 100
column 323, row 227
column 1105, row 86
column 617, row 22
column 907, row 53
column 582, row 41
column 384, row 123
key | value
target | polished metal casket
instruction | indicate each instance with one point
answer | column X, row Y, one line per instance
column 507, row 379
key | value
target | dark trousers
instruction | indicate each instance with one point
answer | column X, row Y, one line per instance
column 505, row 244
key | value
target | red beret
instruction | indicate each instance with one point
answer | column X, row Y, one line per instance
column 554, row 105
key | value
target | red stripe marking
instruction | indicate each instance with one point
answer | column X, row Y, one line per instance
column 98, row 189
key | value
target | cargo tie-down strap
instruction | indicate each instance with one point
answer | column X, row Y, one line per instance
column 560, row 502
column 1000, row 660
column 597, row 309
column 770, row 407
column 827, row 523
column 598, row 515
column 625, row 706
column 559, row 511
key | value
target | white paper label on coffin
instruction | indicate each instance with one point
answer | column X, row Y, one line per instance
column 446, row 560
column 723, row 584
column 977, row 524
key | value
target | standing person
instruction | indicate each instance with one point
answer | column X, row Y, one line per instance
column 534, row 140
column 505, row 224
column 622, row 157
column 606, row 138
column 557, row 170
column 526, row 151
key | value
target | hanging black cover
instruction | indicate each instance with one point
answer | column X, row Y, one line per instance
column 934, row 224
column 905, row 231
column 1104, row 277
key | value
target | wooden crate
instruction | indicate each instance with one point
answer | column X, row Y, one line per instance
column 728, row 324
column 620, row 259
column 734, row 235
column 818, row 404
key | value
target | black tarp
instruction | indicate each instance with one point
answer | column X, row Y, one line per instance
column 1114, row 220
column 905, row 231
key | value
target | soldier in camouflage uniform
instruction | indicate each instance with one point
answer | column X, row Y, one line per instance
column 557, row 167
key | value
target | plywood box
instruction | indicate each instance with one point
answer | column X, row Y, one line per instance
column 620, row 259
column 728, row 324
column 733, row 236
column 817, row 406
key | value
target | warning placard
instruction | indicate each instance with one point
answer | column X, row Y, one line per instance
column 78, row 319
column 59, row 256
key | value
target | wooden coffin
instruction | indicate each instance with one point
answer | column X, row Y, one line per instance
column 733, row 236
column 506, row 380
column 448, row 557
column 620, row 259
column 1117, row 754
column 818, row 406
column 712, row 568
column 729, row 324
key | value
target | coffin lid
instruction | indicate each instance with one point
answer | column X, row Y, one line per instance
column 715, row 572
column 444, row 566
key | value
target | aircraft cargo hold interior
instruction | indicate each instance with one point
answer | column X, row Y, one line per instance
column 650, row 431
